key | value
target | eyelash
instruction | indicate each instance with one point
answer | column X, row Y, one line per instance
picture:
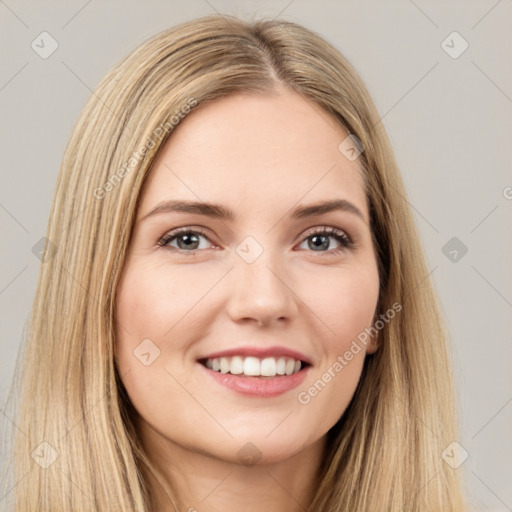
column 340, row 236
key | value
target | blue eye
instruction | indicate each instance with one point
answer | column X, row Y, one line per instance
column 188, row 240
column 320, row 239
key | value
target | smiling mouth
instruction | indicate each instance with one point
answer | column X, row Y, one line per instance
column 268, row 367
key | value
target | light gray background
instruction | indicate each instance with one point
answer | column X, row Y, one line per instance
column 449, row 120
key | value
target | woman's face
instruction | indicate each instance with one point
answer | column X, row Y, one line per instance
column 260, row 287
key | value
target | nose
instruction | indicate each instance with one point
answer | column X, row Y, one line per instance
column 261, row 292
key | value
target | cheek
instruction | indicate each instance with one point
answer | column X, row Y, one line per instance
column 326, row 396
column 153, row 299
column 146, row 310
column 154, row 307
column 142, row 317
column 345, row 301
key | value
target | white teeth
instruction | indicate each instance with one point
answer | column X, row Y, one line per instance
column 237, row 365
column 290, row 365
column 254, row 367
column 281, row 366
column 224, row 365
column 268, row 367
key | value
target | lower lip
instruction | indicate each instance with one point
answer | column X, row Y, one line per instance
column 257, row 386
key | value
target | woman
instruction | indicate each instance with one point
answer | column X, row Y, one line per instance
column 189, row 348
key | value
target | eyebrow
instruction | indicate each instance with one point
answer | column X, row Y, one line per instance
column 218, row 211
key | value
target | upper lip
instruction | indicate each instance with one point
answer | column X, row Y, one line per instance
column 259, row 352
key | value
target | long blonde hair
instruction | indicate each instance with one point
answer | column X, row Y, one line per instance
column 385, row 453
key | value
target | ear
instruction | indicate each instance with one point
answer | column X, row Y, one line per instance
column 373, row 345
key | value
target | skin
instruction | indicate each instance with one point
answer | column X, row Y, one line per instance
column 260, row 156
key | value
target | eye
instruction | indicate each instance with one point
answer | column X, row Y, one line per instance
column 320, row 240
column 188, row 240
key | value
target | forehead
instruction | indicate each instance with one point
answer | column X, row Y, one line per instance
column 255, row 152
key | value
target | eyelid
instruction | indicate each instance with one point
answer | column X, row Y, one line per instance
column 327, row 230
column 178, row 231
